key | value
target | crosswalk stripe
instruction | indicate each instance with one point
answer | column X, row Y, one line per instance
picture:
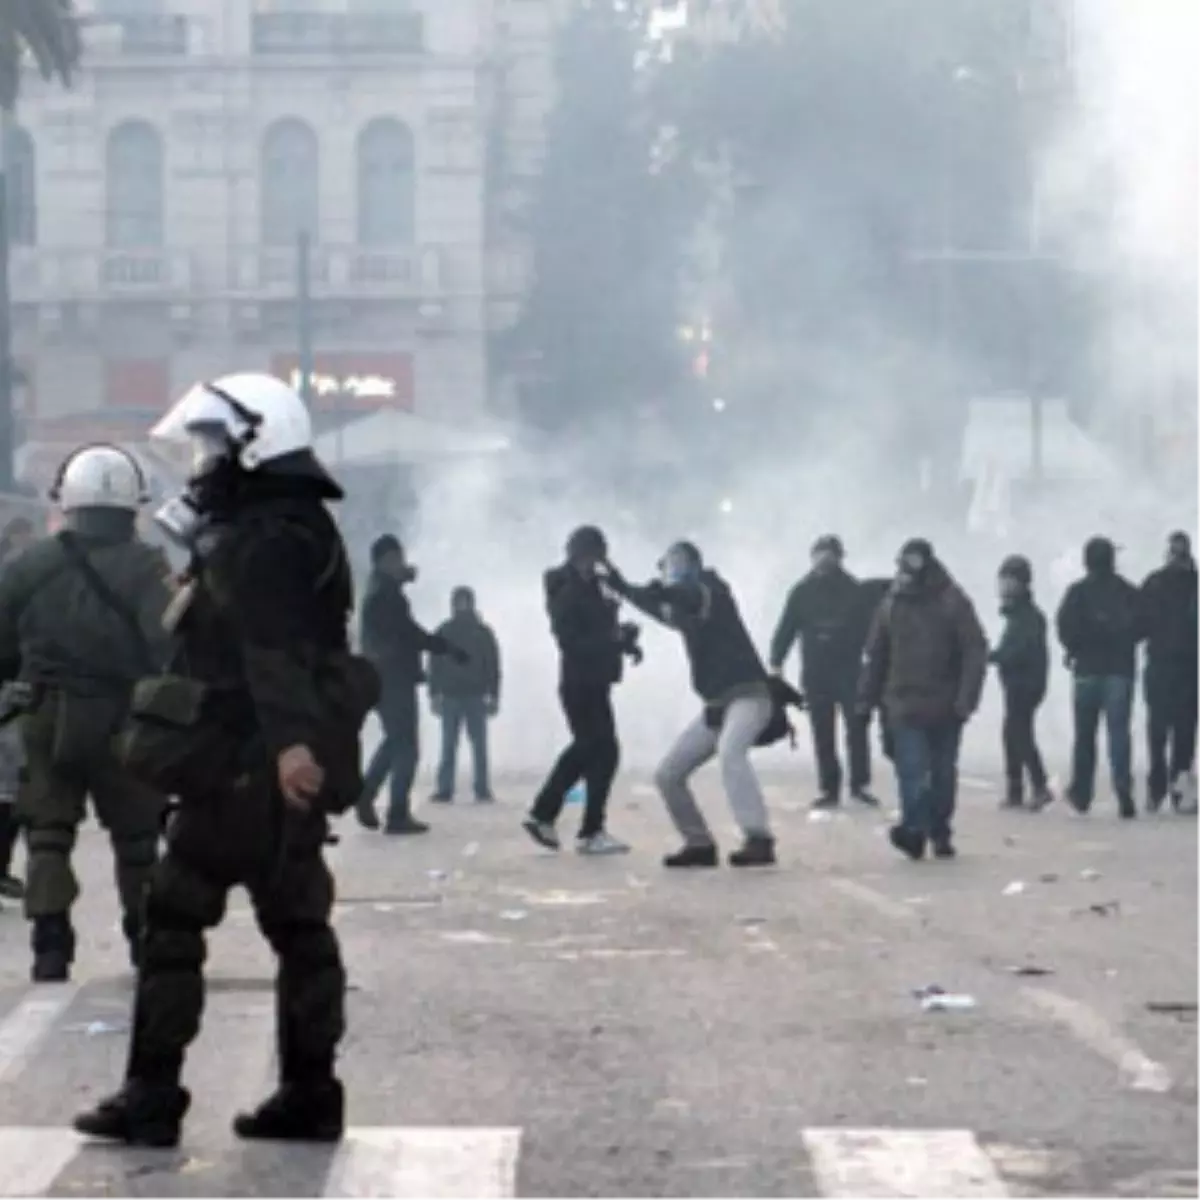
column 31, row 1159
column 929, row 1163
column 434, row 1163
column 24, row 1028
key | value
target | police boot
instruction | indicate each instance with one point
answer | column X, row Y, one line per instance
column 140, row 1114
column 312, row 1111
column 53, row 943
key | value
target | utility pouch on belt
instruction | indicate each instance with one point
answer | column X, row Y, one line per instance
column 172, row 740
column 83, row 726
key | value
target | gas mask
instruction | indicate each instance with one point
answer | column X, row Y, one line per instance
column 181, row 519
column 182, row 516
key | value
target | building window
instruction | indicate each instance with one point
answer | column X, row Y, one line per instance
column 386, row 184
column 20, row 165
column 290, row 181
column 134, row 215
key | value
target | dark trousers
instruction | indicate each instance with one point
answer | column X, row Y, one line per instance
column 823, row 709
column 592, row 756
column 212, row 846
column 1170, row 725
column 1110, row 696
column 398, row 753
column 457, row 712
column 8, row 836
column 1021, row 754
column 926, row 759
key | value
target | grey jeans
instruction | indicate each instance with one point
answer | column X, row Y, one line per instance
column 745, row 719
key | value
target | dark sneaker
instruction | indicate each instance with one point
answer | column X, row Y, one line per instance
column 757, row 851
column 405, row 827
column 944, row 848
column 1041, row 798
column 542, row 832
column 1013, row 799
column 140, row 1114
column 11, row 888
column 1155, row 803
column 442, row 798
column 865, row 796
column 366, row 815
column 310, row 1112
column 1126, row 806
column 823, row 802
column 907, row 841
column 1077, row 802
column 486, row 798
column 693, row 856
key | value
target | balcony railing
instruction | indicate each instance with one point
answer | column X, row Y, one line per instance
column 148, row 35
column 338, row 33
column 63, row 276
column 346, row 271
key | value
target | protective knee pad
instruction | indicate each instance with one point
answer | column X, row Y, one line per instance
column 51, row 839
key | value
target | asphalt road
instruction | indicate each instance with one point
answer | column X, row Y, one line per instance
column 532, row 1024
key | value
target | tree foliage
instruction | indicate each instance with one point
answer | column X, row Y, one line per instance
column 608, row 235
column 45, row 31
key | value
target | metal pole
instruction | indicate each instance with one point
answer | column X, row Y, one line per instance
column 7, row 421
column 304, row 314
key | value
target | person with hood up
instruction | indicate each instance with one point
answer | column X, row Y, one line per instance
column 394, row 643
column 730, row 679
column 1022, row 660
column 465, row 693
column 1169, row 606
column 926, row 660
column 823, row 611
column 591, row 644
column 1100, row 623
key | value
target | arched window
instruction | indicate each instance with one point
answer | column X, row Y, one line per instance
column 20, row 166
column 386, row 184
column 134, row 210
column 290, row 202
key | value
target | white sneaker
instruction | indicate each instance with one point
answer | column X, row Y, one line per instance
column 600, row 843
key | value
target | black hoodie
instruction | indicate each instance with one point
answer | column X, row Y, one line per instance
column 1169, row 607
column 1100, row 620
column 823, row 610
column 583, row 619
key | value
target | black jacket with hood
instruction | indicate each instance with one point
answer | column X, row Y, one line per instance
column 1169, row 611
column 1021, row 655
column 1100, row 620
column 823, row 610
column 583, row 619
column 722, row 655
column 390, row 637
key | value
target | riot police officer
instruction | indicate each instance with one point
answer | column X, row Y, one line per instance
column 81, row 620
column 264, row 753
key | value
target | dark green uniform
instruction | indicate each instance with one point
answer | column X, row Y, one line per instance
column 82, row 656
column 270, row 594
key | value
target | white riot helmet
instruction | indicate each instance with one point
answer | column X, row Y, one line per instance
column 252, row 418
column 100, row 476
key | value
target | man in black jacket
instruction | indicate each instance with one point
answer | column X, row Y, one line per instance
column 1099, row 625
column 591, row 643
column 394, row 642
column 824, row 611
column 465, row 694
column 1169, row 605
column 1023, row 662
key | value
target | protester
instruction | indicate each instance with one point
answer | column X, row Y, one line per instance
column 1022, row 660
column 1100, row 623
column 823, row 611
column 925, row 663
column 730, row 679
column 1169, row 609
column 465, row 693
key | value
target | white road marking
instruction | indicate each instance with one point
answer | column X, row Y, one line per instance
column 893, row 909
column 901, row 1162
column 1088, row 1027
column 22, row 1031
column 432, row 1163
column 977, row 783
column 31, row 1159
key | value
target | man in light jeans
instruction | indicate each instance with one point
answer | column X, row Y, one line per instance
column 744, row 721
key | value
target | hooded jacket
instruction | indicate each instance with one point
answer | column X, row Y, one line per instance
column 1100, row 620
column 926, row 655
column 391, row 639
column 480, row 674
column 1170, row 614
column 823, row 611
column 723, row 659
column 583, row 619
column 1021, row 656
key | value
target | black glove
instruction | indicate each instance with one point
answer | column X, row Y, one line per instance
column 629, row 635
column 614, row 578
